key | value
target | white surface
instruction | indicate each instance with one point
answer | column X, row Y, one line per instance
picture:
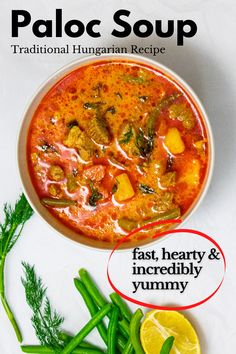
column 207, row 63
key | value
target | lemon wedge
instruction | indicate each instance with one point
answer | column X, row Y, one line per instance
column 159, row 325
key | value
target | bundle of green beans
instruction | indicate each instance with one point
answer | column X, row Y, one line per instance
column 122, row 334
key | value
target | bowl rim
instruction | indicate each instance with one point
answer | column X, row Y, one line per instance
column 56, row 76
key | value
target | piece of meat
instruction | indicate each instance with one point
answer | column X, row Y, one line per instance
column 79, row 140
column 95, row 173
column 98, row 130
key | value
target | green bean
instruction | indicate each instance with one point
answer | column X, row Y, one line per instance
column 36, row 349
column 135, row 331
column 128, row 349
column 118, row 301
column 100, row 301
column 129, row 225
column 92, row 289
column 45, row 350
column 121, row 341
column 112, row 330
column 167, row 345
column 66, row 338
column 87, row 329
column 124, row 327
column 170, row 214
column 93, row 309
column 57, row 203
column 157, row 110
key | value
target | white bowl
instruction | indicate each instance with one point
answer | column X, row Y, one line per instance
column 28, row 187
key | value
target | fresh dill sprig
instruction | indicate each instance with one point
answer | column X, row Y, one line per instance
column 10, row 230
column 46, row 322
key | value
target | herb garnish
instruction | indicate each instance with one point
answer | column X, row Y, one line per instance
column 144, row 188
column 93, row 105
column 10, row 230
column 167, row 345
column 144, row 143
column 127, row 136
column 46, row 322
column 96, row 195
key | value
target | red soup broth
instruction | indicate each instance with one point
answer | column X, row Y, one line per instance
column 115, row 145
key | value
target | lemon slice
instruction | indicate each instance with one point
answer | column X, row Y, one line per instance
column 159, row 325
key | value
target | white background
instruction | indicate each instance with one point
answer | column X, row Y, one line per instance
column 207, row 63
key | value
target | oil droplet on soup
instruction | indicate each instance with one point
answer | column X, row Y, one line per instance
column 115, row 145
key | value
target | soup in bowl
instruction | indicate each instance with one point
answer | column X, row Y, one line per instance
column 109, row 145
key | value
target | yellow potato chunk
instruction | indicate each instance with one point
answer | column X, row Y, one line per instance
column 191, row 174
column 200, row 144
column 174, row 142
column 124, row 188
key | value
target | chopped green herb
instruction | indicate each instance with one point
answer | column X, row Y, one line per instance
column 144, row 143
column 93, row 105
column 96, row 195
column 127, row 136
column 146, row 189
column 94, row 198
